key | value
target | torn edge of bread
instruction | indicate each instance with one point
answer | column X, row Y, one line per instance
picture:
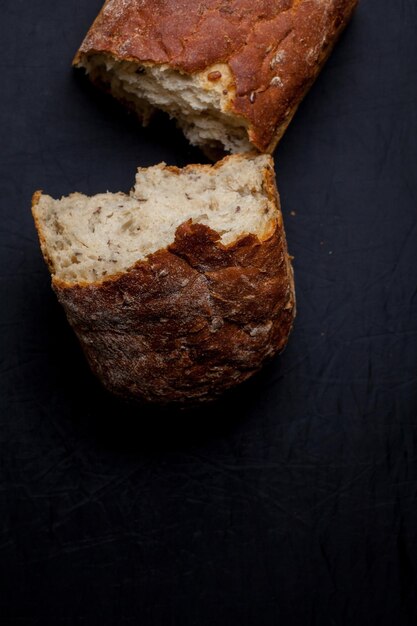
column 89, row 238
column 201, row 103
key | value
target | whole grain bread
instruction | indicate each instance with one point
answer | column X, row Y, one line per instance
column 181, row 289
column 232, row 72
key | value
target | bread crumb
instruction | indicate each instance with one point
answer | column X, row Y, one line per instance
column 277, row 59
column 277, row 82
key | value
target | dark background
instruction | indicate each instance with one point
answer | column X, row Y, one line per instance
column 294, row 500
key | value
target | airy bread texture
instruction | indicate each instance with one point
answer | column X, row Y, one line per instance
column 90, row 238
column 181, row 289
column 202, row 107
column 231, row 73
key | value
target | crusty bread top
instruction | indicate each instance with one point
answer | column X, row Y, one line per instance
column 274, row 49
column 87, row 239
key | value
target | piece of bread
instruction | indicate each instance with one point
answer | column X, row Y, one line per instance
column 232, row 72
column 181, row 289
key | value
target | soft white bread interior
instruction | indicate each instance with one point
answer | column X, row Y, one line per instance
column 201, row 102
column 88, row 238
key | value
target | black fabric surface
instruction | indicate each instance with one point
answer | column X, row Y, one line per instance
column 294, row 500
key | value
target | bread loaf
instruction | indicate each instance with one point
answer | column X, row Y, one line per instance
column 181, row 289
column 232, row 72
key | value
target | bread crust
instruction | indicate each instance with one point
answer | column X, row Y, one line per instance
column 189, row 321
column 275, row 50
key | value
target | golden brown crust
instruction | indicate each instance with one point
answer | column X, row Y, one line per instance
column 189, row 321
column 275, row 50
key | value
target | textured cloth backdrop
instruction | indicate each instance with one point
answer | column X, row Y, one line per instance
column 292, row 502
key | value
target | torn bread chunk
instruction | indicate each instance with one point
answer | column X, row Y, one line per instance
column 231, row 74
column 181, row 289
